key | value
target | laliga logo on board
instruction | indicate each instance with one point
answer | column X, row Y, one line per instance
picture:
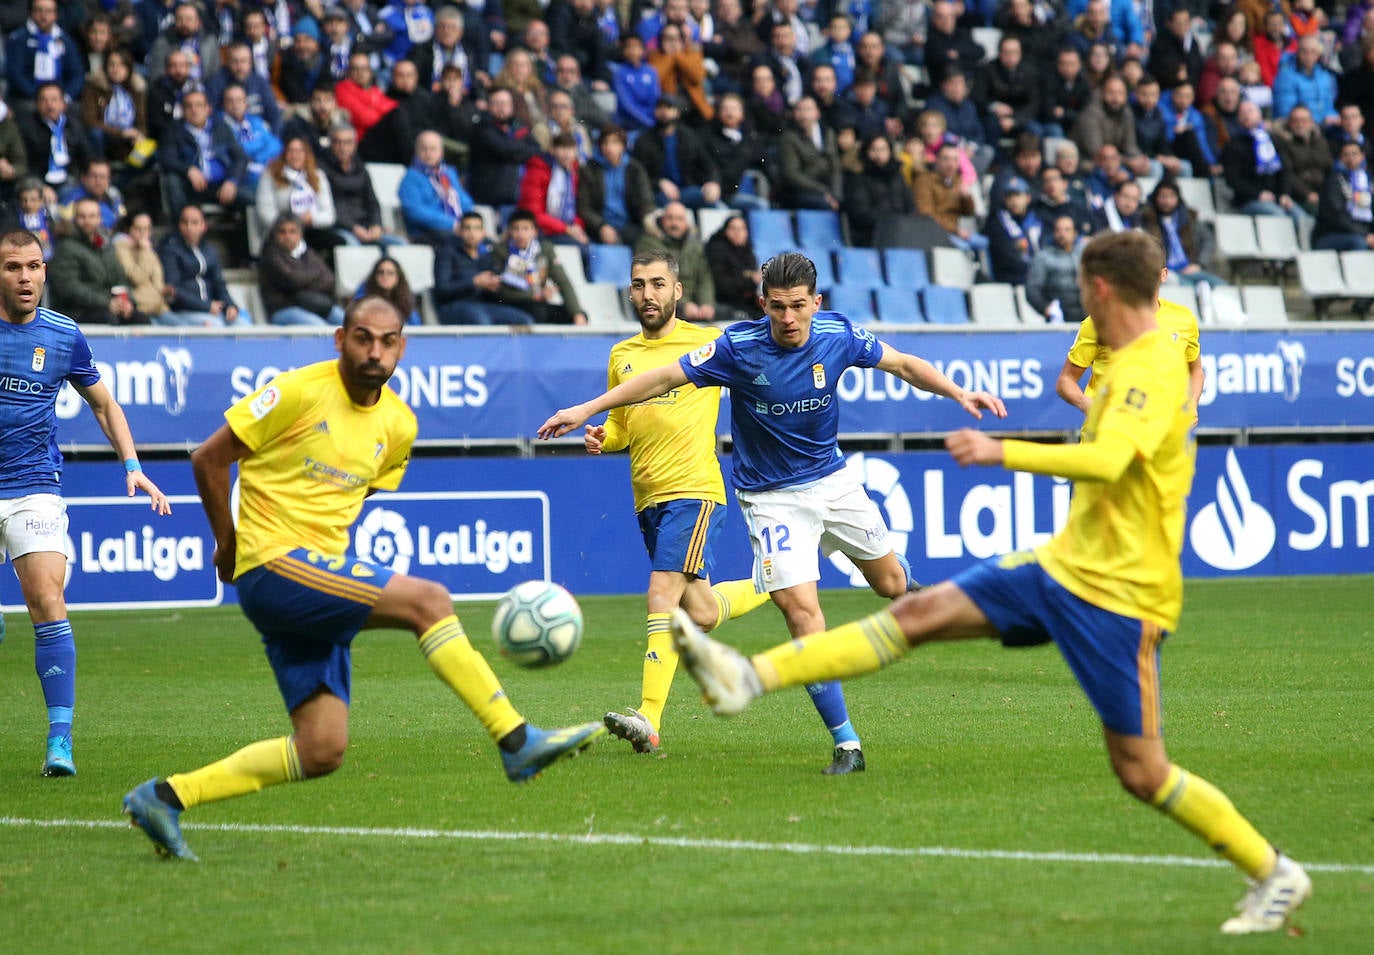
column 883, row 481
column 1233, row 532
column 383, row 538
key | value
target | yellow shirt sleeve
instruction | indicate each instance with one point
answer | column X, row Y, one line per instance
column 617, row 433
column 267, row 412
column 1083, row 351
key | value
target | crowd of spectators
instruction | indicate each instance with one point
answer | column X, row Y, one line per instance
column 132, row 130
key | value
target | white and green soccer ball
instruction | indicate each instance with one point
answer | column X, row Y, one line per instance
column 537, row 624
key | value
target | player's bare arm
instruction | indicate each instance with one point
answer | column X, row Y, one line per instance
column 920, row 373
column 110, row 416
column 650, row 384
column 1067, row 385
column 210, row 463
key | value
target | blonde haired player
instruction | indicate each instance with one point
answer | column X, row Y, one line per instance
column 678, row 488
column 1087, row 351
column 1107, row 589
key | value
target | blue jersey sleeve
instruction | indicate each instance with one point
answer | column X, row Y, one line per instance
column 713, row 363
column 865, row 351
column 83, row 371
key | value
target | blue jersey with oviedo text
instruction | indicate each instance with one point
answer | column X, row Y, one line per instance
column 784, row 414
column 35, row 359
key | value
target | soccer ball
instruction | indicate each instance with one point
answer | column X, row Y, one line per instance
column 537, row 624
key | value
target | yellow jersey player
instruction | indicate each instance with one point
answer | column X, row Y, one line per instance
column 679, row 492
column 1087, row 352
column 310, row 447
column 1107, row 589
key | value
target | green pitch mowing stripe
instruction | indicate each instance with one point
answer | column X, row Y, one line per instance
column 723, row 845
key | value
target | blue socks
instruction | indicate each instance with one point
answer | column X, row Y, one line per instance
column 906, row 569
column 829, row 701
column 54, row 659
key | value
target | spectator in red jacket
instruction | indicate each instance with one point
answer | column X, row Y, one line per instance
column 549, row 190
column 359, row 95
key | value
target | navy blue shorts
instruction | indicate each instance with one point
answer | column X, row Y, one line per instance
column 308, row 608
column 681, row 535
column 1115, row 658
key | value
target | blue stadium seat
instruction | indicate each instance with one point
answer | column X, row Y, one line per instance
column 945, row 305
column 861, row 267
column 609, row 263
column 770, row 233
column 854, row 301
column 825, row 270
column 899, row 305
column 818, row 229
column 906, row 268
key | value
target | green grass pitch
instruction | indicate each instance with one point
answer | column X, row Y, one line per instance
column 729, row 841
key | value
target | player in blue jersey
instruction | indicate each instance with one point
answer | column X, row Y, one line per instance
column 39, row 350
column 797, row 497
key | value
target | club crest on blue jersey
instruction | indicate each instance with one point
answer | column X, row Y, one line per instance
column 40, row 358
column 818, row 375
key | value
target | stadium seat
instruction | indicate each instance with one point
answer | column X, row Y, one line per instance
column 825, row 270
column 1264, row 303
column 709, row 221
column 1358, row 269
column 860, row 267
column 1278, row 238
column 1029, row 316
column 1147, row 186
column 854, row 301
column 609, row 263
column 570, row 258
column 491, row 220
column 1180, row 295
column 1236, row 239
column 417, row 262
column 1227, row 307
column 952, row 268
column 604, row 305
column 386, row 183
column 1319, row 275
column 1197, row 195
column 944, row 305
column 906, row 268
column 899, row 306
column 818, row 229
column 770, row 232
column 994, row 303
column 352, row 263
column 988, row 38
column 248, row 297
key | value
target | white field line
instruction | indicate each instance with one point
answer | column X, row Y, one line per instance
column 719, row 845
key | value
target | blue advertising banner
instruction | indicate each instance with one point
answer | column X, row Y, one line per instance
column 501, row 387
column 481, row 525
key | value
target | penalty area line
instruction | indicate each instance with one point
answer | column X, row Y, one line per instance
column 672, row 842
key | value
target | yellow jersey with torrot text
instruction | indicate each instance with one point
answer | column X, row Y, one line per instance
column 316, row 455
column 1178, row 321
column 672, row 438
column 1119, row 549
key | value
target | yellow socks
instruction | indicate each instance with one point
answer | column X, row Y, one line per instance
column 264, row 763
column 852, row 649
column 660, row 663
column 1205, row 811
column 468, row 674
column 735, row 598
